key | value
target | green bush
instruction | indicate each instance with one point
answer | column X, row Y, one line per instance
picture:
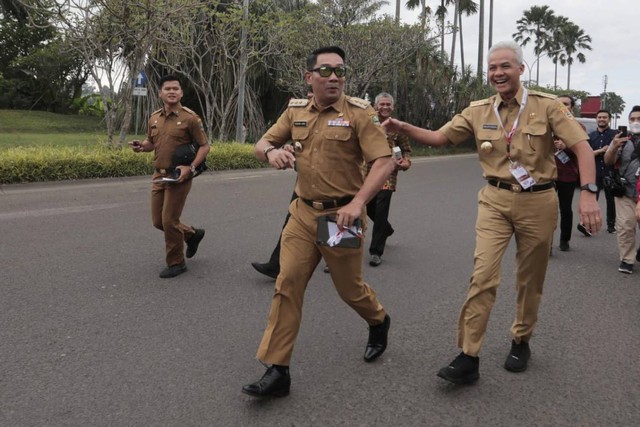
column 37, row 164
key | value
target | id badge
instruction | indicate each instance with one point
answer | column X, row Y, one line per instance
column 563, row 157
column 521, row 174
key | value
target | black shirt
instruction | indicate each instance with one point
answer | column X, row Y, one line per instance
column 597, row 140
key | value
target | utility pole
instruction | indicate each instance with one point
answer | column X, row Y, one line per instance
column 605, row 80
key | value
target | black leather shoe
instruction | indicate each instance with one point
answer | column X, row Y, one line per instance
column 173, row 271
column 463, row 370
column 564, row 246
column 194, row 241
column 266, row 269
column 273, row 383
column 377, row 343
column 518, row 357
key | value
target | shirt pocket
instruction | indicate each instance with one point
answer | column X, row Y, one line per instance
column 300, row 133
column 338, row 134
column 535, row 134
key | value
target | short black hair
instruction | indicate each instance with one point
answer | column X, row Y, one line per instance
column 604, row 111
column 313, row 58
column 169, row 78
column 635, row 109
column 565, row 95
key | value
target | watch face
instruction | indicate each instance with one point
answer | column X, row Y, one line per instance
column 592, row 188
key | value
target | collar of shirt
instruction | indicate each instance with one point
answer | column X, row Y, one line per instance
column 338, row 105
column 175, row 111
column 517, row 98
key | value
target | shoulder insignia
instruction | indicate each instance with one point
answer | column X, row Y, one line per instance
column 158, row 111
column 358, row 102
column 188, row 110
column 298, row 102
column 543, row 94
column 480, row 102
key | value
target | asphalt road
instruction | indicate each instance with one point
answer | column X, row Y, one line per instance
column 89, row 335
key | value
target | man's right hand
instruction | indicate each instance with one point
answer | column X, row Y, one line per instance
column 136, row 145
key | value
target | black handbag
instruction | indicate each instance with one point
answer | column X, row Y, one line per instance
column 613, row 183
column 186, row 154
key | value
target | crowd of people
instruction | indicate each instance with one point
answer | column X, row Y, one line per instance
column 347, row 154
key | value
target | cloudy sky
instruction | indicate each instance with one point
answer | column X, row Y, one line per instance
column 614, row 27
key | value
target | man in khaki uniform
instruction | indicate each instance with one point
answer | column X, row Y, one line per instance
column 513, row 131
column 332, row 135
column 169, row 128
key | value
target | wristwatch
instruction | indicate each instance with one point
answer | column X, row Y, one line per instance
column 193, row 169
column 591, row 188
column 267, row 150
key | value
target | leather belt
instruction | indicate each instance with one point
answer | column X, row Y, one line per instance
column 327, row 204
column 165, row 171
column 517, row 188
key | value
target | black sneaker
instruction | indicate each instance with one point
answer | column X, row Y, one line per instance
column 564, row 246
column 518, row 357
column 625, row 267
column 194, row 241
column 583, row 230
column 375, row 260
column 173, row 271
column 611, row 229
column 463, row 370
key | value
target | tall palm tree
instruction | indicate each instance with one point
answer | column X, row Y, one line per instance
column 553, row 48
column 536, row 22
column 455, row 32
column 480, row 40
column 573, row 39
column 468, row 8
column 424, row 9
column 441, row 13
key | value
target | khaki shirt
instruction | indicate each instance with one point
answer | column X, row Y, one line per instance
column 532, row 143
column 168, row 131
column 335, row 143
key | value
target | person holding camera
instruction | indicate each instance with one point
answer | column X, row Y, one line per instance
column 623, row 155
column 599, row 141
column 170, row 133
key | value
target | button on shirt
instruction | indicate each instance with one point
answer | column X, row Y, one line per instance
column 532, row 143
column 335, row 142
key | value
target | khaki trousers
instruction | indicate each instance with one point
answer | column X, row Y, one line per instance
column 299, row 257
column 167, row 202
column 532, row 218
column 626, row 224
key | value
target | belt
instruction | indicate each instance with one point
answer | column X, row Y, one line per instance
column 516, row 188
column 327, row 204
column 165, row 171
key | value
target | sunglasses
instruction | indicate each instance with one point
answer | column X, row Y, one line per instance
column 324, row 71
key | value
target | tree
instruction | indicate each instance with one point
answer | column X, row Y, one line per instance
column 613, row 102
column 342, row 13
column 536, row 23
column 573, row 39
column 553, row 48
column 481, row 40
column 467, row 8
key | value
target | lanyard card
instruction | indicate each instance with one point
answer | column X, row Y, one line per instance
column 521, row 174
column 329, row 234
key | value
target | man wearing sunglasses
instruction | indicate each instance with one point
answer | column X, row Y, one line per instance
column 333, row 134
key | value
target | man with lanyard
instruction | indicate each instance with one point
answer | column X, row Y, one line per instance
column 513, row 130
column 599, row 140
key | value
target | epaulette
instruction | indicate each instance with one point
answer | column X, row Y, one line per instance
column 543, row 94
column 298, row 102
column 480, row 102
column 358, row 102
column 190, row 111
column 158, row 111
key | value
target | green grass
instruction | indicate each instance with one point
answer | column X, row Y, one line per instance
column 42, row 122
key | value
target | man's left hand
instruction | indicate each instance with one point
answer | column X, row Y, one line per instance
column 185, row 172
column 346, row 215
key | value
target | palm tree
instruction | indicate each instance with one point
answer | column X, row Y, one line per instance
column 455, row 32
column 441, row 13
column 480, row 40
column 424, row 9
column 553, row 48
column 468, row 8
column 536, row 22
column 573, row 39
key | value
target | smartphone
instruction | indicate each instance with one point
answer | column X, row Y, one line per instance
column 623, row 130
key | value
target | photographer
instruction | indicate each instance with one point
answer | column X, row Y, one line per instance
column 624, row 155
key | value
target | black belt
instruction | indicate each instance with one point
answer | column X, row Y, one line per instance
column 327, row 204
column 167, row 171
column 517, row 188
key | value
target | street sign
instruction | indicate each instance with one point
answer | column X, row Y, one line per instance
column 141, row 80
column 139, row 91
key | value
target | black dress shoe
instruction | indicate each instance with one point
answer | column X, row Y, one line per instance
column 194, row 241
column 267, row 269
column 518, row 357
column 377, row 343
column 464, row 369
column 275, row 382
column 173, row 271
